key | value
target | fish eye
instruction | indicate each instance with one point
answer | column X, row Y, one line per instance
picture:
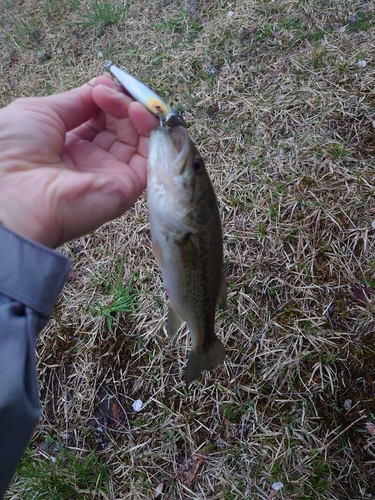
column 197, row 164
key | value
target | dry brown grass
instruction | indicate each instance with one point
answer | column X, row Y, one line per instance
column 284, row 116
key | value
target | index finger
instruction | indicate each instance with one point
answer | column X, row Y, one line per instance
column 121, row 106
column 142, row 120
column 76, row 106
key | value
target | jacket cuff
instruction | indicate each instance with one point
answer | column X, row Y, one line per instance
column 31, row 273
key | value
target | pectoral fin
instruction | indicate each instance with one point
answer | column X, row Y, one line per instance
column 158, row 253
column 222, row 299
column 188, row 250
column 174, row 322
column 208, row 360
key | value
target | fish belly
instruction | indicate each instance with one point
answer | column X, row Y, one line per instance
column 192, row 272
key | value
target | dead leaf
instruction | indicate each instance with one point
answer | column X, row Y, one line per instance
column 370, row 427
column 157, row 491
column 117, row 413
column 362, row 294
column 195, row 463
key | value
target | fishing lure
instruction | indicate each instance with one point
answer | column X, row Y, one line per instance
column 143, row 94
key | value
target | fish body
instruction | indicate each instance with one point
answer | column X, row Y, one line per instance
column 187, row 242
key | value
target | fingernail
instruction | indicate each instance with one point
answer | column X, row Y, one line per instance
column 92, row 82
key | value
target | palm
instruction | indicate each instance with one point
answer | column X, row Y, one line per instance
column 70, row 183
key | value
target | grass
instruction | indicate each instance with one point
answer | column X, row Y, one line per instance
column 121, row 299
column 59, row 474
column 285, row 124
column 99, row 15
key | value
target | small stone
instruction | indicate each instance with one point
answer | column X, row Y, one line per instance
column 352, row 18
column 212, row 70
column 192, row 7
column 277, row 486
column 158, row 490
column 42, row 55
column 348, row 403
column 137, row 405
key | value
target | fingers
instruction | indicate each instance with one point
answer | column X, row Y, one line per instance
column 77, row 106
column 127, row 120
column 121, row 107
column 142, row 119
column 112, row 100
column 109, row 98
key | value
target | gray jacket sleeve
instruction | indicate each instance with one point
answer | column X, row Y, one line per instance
column 31, row 278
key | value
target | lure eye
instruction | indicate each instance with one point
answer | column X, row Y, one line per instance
column 197, row 164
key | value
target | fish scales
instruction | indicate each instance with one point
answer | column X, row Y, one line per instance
column 187, row 242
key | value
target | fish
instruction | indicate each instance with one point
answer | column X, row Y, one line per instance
column 185, row 228
column 187, row 243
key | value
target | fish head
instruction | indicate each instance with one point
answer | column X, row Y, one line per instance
column 178, row 182
column 171, row 151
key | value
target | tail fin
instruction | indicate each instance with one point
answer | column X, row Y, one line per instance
column 208, row 360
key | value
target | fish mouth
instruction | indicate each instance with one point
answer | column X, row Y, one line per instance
column 180, row 138
column 172, row 144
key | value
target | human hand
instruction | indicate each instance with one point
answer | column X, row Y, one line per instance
column 72, row 161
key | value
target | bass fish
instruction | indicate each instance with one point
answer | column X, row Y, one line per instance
column 185, row 228
column 187, row 243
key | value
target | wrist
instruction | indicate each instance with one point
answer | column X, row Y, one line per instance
column 23, row 228
column 20, row 205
